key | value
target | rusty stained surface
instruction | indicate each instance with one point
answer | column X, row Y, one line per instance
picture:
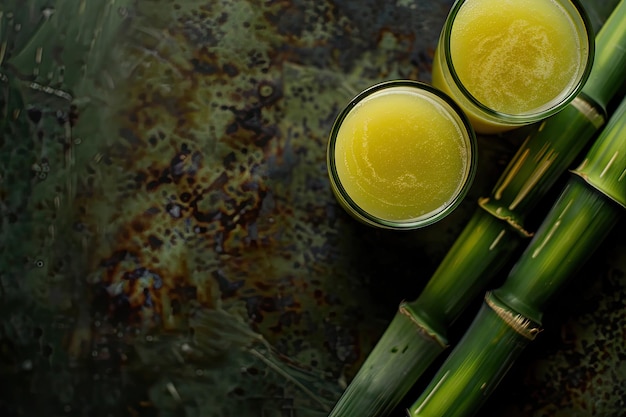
column 170, row 244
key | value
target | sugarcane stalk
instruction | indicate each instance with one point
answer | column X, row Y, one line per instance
column 490, row 237
column 590, row 205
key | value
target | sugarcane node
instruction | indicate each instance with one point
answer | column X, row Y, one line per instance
column 589, row 108
column 422, row 327
column 521, row 324
column 596, row 187
column 483, row 203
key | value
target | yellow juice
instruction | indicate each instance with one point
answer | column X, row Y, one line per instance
column 400, row 154
column 513, row 56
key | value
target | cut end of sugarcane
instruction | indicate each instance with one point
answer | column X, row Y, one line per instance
column 504, row 216
column 403, row 353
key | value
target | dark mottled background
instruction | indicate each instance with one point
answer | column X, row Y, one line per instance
column 169, row 244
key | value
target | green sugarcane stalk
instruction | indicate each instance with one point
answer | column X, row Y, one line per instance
column 417, row 334
column 587, row 209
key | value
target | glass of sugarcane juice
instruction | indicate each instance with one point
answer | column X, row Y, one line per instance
column 401, row 155
column 509, row 63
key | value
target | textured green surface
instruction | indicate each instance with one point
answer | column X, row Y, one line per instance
column 602, row 166
column 168, row 240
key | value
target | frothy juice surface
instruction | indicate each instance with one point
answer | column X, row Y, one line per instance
column 399, row 154
column 514, row 56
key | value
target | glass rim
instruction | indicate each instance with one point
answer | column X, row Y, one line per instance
column 469, row 137
column 508, row 118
